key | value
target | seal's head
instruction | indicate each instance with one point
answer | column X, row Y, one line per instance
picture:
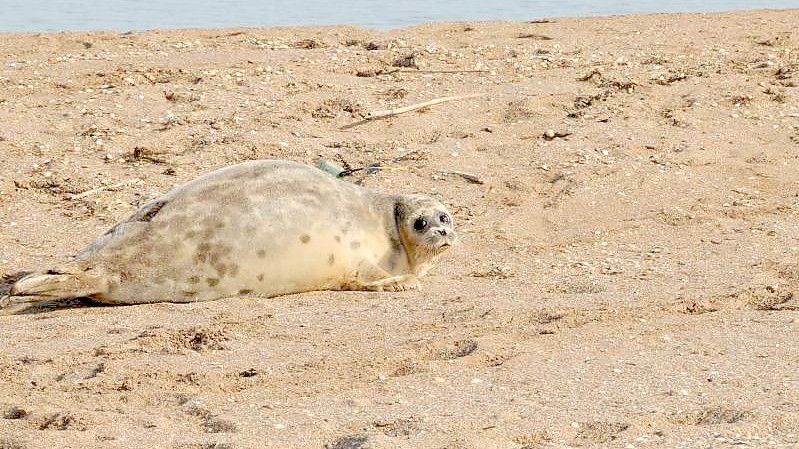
column 425, row 226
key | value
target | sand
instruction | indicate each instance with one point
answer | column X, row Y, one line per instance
column 627, row 266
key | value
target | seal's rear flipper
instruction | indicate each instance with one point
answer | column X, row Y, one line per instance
column 69, row 281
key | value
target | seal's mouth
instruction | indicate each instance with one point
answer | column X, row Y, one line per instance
column 445, row 242
column 440, row 239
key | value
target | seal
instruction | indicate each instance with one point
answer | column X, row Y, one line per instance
column 263, row 228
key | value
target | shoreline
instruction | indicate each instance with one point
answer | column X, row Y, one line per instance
column 395, row 29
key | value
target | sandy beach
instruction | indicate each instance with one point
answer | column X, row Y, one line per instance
column 627, row 268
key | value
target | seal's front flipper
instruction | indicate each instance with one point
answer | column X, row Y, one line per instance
column 373, row 278
column 395, row 284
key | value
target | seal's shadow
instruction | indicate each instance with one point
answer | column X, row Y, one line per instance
column 7, row 280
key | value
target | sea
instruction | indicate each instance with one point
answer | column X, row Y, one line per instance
column 130, row 15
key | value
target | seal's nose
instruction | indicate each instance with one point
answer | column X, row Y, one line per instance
column 443, row 232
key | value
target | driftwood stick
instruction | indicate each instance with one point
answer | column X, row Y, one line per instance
column 375, row 115
column 102, row 188
column 444, row 71
column 396, row 111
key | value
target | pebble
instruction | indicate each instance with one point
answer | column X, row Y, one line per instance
column 477, row 381
column 550, row 133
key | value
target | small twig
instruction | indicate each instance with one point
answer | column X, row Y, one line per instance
column 405, row 156
column 474, row 179
column 397, row 111
column 79, row 196
column 590, row 75
column 534, row 36
column 368, row 73
column 444, row 71
column 369, row 169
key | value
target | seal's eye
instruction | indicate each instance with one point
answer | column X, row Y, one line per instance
column 420, row 224
column 444, row 218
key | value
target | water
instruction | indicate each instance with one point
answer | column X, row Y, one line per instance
column 124, row 15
